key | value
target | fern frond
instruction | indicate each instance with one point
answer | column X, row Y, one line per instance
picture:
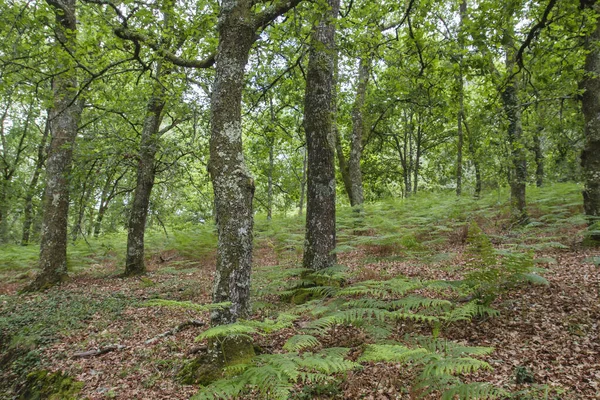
column 392, row 353
column 453, row 366
column 447, row 347
column 239, row 328
column 469, row 311
column 412, row 303
column 414, row 317
column 474, row 390
column 185, row 304
column 269, row 326
column 300, row 342
column 222, row 389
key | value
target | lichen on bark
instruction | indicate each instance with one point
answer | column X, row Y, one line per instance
column 320, row 140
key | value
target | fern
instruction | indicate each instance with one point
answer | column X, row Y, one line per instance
column 474, row 390
column 301, row 342
column 440, row 363
column 273, row 376
column 185, row 304
column 392, row 353
column 239, row 328
column 469, row 311
column 452, row 366
column 495, row 271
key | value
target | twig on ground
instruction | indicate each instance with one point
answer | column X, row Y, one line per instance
column 178, row 328
column 99, row 352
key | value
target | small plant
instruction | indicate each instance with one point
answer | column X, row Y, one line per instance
column 493, row 272
column 440, row 364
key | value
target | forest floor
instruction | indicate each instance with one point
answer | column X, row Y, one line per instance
column 546, row 337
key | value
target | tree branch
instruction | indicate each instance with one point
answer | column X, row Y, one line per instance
column 137, row 38
column 263, row 19
column 533, row 32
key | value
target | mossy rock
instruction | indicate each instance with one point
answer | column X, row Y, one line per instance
column 210, row 366
column 46, row 385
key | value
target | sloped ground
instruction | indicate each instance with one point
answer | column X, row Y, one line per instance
column 546, row 335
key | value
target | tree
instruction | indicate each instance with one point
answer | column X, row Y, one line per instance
column 320, row 143
column 590, row 156
column 232, row 184
column 64, row 117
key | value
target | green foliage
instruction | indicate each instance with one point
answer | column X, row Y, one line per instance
column 274, row 376
column 245, row 328
column 492, row 273
column 184, row 304
column 27, row 327
column 45, row 385
column 440, row 364
column 301, row 342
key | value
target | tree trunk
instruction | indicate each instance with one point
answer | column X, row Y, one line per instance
column 461, row 99
column 590, row 156
column 83, row 201
column 102, row 208
column 232, row 184
column 270, row 181
column 512, row 109
column 134, row 262
column 318, row 122
column 358, row 127
column 64, row 118
column 417, row 159
column 39, row 164
column 342, row 162
column 474, row 157
column 303, row 183
column 539, row 156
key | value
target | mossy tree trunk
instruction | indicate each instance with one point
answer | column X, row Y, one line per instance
column 232, row 184
column 64, row 118
column 590, row 156
column 320, row 139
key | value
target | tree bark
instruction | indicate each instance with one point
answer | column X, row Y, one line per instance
column 270, row 180
column 341, row 157
column 83, row 201
column 539, row 156
column 303, row 183
column 418, row 153
column 320, row 139
column 590, row 156
column 358, row 127
column 512, row 109
column 134, row 262
column 474, row 157
column 461, row 98
column 39, row 164
column 232, row 184
column 64, row 118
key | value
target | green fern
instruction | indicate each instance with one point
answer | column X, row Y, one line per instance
column 441, row 363
column 274, row 376
column 239, row 328
column 474, row 390
column 185, row 304
column 301, row 342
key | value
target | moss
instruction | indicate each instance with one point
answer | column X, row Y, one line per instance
column 46, row 385
column 210, row 366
